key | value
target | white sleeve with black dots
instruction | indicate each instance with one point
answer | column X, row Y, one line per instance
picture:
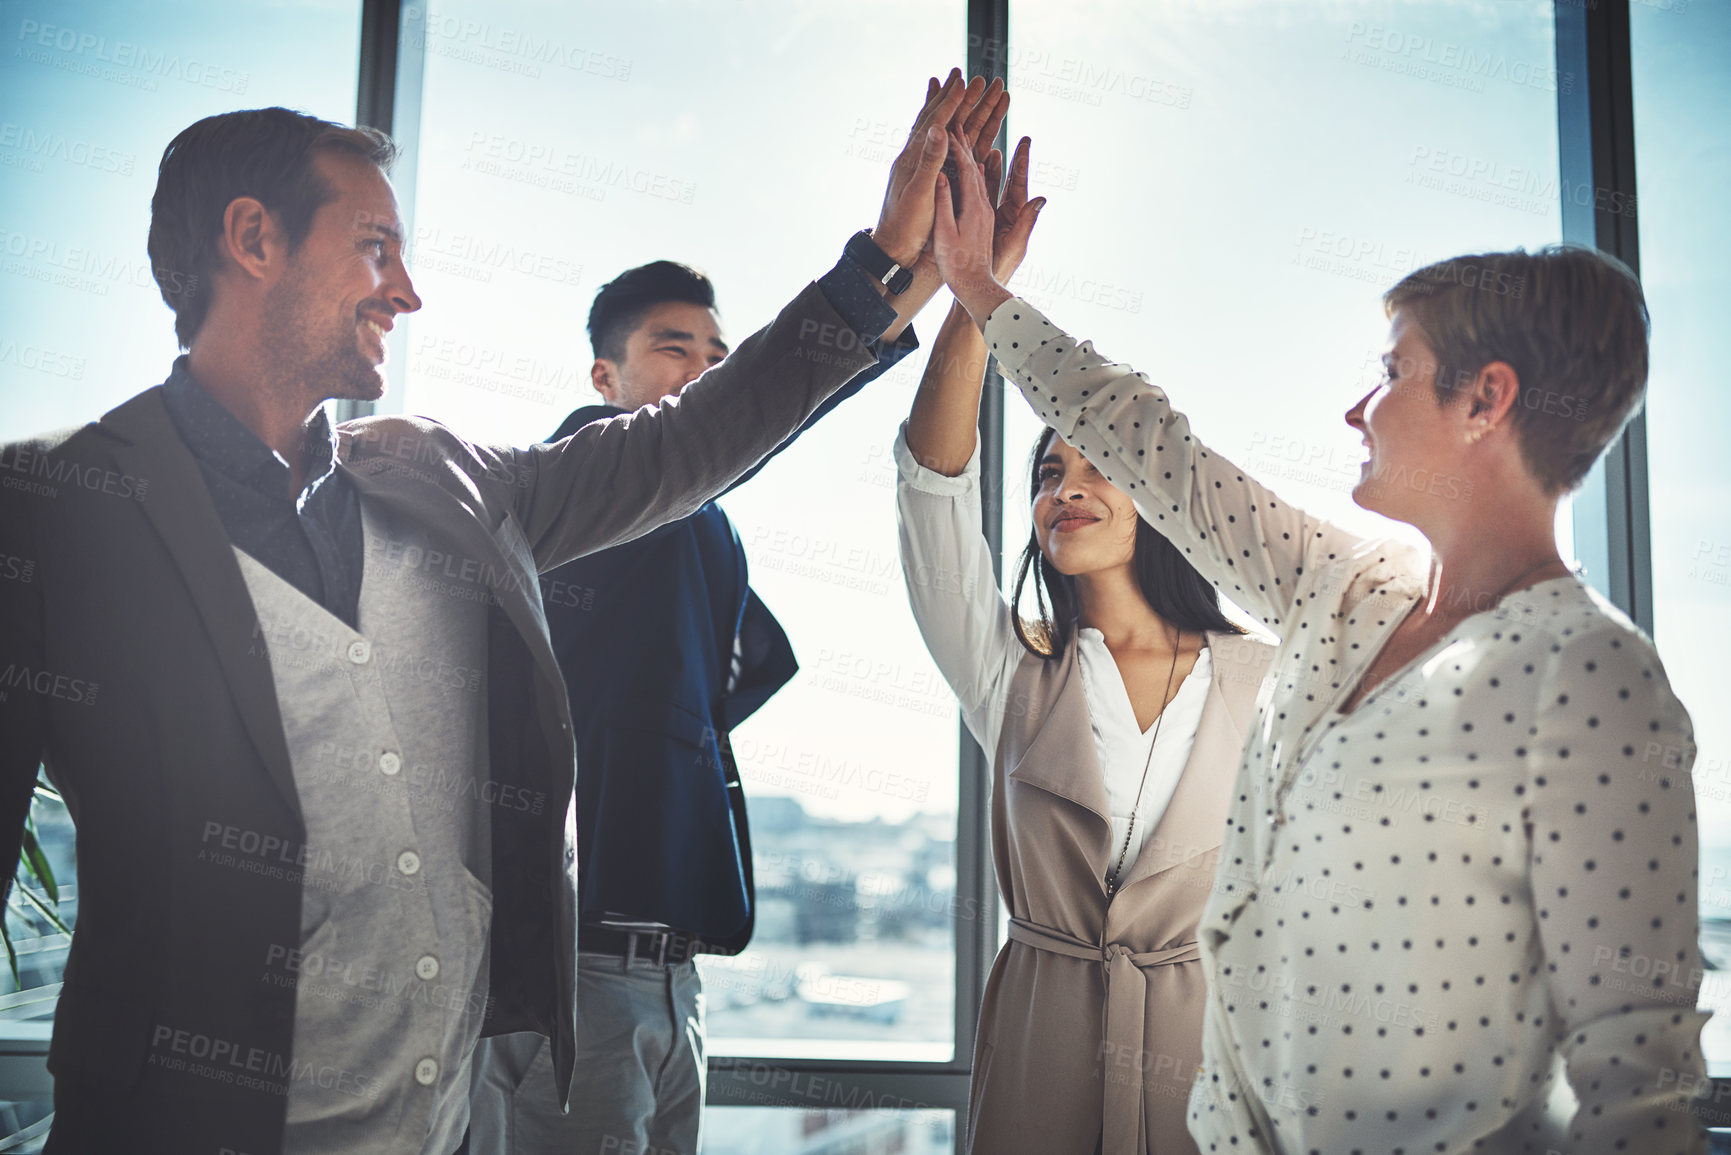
column 1236, row 532
column 1611, row 811
column 947, row 565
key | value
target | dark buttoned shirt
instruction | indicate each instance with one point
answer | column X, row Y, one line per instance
column 312, row 539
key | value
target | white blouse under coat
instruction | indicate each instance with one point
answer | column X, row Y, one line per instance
column 966, row 625
column 1477, row 886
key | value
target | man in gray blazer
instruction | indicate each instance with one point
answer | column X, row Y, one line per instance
column 294, row 679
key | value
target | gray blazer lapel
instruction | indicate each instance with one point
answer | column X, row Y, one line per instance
column 179, row 508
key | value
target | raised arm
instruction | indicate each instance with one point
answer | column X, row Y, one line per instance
column 946, row 560
column 945, row 557
column 616, row 480
column 942, row 427
column 1240, row 535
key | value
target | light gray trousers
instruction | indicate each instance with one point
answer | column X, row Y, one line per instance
column 640, row 1076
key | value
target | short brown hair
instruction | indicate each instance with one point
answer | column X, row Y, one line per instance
column 264, row 153
column 1569, row 320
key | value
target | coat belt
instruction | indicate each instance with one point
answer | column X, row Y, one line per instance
column 1125, row 1015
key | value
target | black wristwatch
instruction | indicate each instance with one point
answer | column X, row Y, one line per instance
column 868, row 255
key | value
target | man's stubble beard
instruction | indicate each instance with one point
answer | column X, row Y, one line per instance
column 311, row 358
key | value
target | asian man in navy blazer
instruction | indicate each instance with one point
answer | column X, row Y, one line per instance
column 665, row 648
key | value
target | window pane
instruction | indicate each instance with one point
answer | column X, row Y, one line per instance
column 562, row 144
column 790, row 1131
column 39, row 946
column 92, row 92
column 1232, row 187
column 1682, row 161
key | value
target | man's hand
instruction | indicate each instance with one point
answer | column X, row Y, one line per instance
column 905, row 224
column 976, row 118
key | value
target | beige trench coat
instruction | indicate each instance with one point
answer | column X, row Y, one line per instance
column 1092, row 1020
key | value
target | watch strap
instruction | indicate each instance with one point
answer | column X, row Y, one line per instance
column 869, row 255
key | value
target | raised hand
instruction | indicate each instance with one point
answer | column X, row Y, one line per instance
column 973, row 112
column 905, row 223
column 964, row 244
column 977, row 122
column 1014, row 219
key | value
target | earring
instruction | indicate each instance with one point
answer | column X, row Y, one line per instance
column 1483, row 428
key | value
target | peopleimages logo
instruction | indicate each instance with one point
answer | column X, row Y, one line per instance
column 46, row 144
column 81, row 262
column 140, row 64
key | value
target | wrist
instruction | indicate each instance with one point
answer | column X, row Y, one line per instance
column 957, row 318
column 899, row 250
column 981, row 299
column 892, row 276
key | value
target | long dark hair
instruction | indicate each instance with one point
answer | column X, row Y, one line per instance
column 1170, row 585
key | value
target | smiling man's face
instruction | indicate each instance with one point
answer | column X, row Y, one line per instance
column 342, row 289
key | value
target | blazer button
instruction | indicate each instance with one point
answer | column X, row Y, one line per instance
column 360, row 651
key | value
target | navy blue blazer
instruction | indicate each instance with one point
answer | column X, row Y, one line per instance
column 644, row 634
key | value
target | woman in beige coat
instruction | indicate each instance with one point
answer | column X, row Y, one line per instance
column 1115, row 722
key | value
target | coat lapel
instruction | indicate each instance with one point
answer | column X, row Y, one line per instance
column 1060, row 759
column 179, row 507
column 1195, row 819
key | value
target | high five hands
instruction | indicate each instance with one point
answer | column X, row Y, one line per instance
column 958, row 122
column 977, row 250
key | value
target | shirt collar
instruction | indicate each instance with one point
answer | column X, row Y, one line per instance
column 220, row 441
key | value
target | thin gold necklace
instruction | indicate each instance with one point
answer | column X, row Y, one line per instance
column 1117, row 873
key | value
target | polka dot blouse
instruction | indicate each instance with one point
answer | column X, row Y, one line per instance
column 1462, row 917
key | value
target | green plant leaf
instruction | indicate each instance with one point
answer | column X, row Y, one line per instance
column 44, row 909
column 11, row 955
column 37, row 862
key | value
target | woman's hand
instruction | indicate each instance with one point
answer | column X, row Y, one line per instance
column 1014, row 219
column 977, row 118
column 965, row 245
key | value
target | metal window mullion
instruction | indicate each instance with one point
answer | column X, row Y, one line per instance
column 977, row 913
column 1596, row 161
column 388, row 97
column 375, row 98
